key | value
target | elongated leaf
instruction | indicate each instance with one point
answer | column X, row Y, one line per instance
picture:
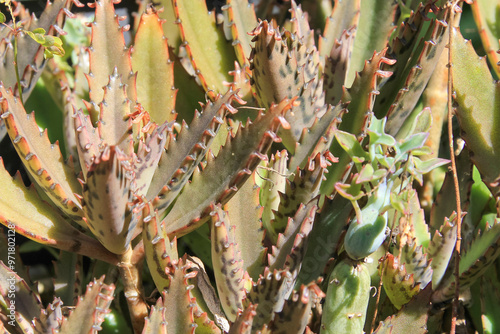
column 483, row 251
column 180, row 319
column 210, row 54
column 41, row 159
column 271, row 179
column 90, row 310
column 291, row 245
column 478, row 105
column 33, row 218
column 156, row 323
column 183, row 155
column 282, row 67
column 441, row 250
column 114, row 123
column 270, row 293
column 50, row 318
column 401, row 48
column 161, row 253
column 107, row 52
column 245, row 213
column 417, row 72
column 228, row 265
column 155, row 71
column 345, row 15
column 375, row 25
column 361, row 97
column 301, row 190
column 15, row 291
column 239, row 15
column 486, row 17
column 412, row 317
column 107, row 201
column 221, row 177
column 296, row 311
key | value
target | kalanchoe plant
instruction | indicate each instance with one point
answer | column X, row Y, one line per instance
column 275, row 207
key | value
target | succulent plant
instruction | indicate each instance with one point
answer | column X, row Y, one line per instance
column 299, row 185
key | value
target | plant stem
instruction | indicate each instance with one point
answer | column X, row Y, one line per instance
column 132, row 288
column 16, row 67
column 456, row 301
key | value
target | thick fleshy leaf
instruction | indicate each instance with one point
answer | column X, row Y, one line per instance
column 243, row 324
column 412, row 317
column 408, row 33
column 185, row 153
column 161, row 253
column 114, row 123
column 33, row 218
column 441, row 250
column 486, row 17
column 345, row 15
column 269, row 293
column 324, row 237
column 222, row 176
column 296, row 311
column 272, row 176
column 15, row 291
column 227, row 263
column 89, row 313
column 375, row 26
column 107, row 52
column 399, row 286
column 180, row 319
column 481, row 254
column 301, row 190
column 478, row 106
column 245, row 212
column 300, row 25
column 156, row 323
column 149, row 152
column 291, row 245
column 337, row 65
column 318, row 138
column 42, row 159
column 50, row 319
column 416, row 75
column 155, row 71
column 282, row 67
column 211, row 56
column 107, row 200
column 88, row 141
column 239, row 16
column 360, row 97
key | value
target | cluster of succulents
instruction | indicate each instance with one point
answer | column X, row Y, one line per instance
column 263, row 167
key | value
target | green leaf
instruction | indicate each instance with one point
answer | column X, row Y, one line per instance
column 478, row 101
column 42, row 159
column 228, row 265
column 2, row 17
column 375, row 25
column 211, row 56
column 90, row 309
column 107, row 52
column 344, row 16
column 155, row 71
column 222, row 176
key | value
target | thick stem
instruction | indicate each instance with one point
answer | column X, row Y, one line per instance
column 131, row 278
